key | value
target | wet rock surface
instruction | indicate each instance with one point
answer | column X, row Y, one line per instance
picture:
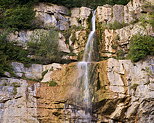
column 121, row 91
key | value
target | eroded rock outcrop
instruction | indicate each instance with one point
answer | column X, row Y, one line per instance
column 121, row 91
column 51, row 15
column 120, row 13
column 114, row 40
column 22, row 37
column 80, row 16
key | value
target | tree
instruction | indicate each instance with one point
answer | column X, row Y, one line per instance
column 19, row 18
column 140, row 47
column 9, row 51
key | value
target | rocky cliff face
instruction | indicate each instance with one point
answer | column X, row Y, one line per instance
column 122, row 91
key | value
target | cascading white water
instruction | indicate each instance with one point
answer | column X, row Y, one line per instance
column 84, row 72
column 89, row 45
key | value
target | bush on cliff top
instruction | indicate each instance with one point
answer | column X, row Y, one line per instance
column 88, row 3
column 140, row 47
column 19, row 18
column 67, row 3
column 17, row 14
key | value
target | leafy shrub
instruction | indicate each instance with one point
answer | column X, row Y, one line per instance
column 9, row 51
column 88, row 3
column 45, row 47
column 14, row 3
column 7, row 3
column 120, row 54
column 140, row 47
column 52, row 83
column 20, row 17
column 151, row 20
column 44, row 72
column 17, row 14
column 148, row 16
column 116, row 25
column 67, row 3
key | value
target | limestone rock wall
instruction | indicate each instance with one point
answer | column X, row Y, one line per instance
column 112, row 41
column 120, row 13
column 72, row 26
column 129, row 85
column 119, row 39
column 50, row 15
column 122, row 91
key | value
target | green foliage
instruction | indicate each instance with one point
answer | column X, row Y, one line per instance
column 134, row 86
column 15, row 84
column 116, row 25
column 67, row 3
column 114, row 46
column 151, row 20
column 9, row 51
column 149, row 16
column 72, row 30
column 45, row 47
column 88, row 3
column 13, row 3
column 52, row 83
column 17, row 14
column 140, row 47
column 120, row 54
column 44, row 72
column 14, row 91
column 8, row 3
column 149, row 71
column 20, row 17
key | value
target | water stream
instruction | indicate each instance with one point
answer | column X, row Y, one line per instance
column 81, row 109
column 84, row 72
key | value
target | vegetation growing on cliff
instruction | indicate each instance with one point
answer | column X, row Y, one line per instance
column 140, row 47
column 44, row 50
column 18, row 18
column 16, row 14
column 88, row 3
column 9, row 51
column 19, row 14
column 45, row 47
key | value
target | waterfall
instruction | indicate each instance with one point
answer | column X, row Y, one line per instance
column 81, row 110
column 87, row 56
column 84, row 73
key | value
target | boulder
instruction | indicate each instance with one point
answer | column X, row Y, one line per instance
column 62, row 45
column 33, row 72
column 104, row 14
column 46, row 19
column 118, row 13
column 120, row 38
column 49, row 69
column 35, row 35
column 50, row 15
column 79, row 16
column 51, row 8
column 80, row 41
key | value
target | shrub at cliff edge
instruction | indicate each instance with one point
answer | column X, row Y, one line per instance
column 140, row 47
